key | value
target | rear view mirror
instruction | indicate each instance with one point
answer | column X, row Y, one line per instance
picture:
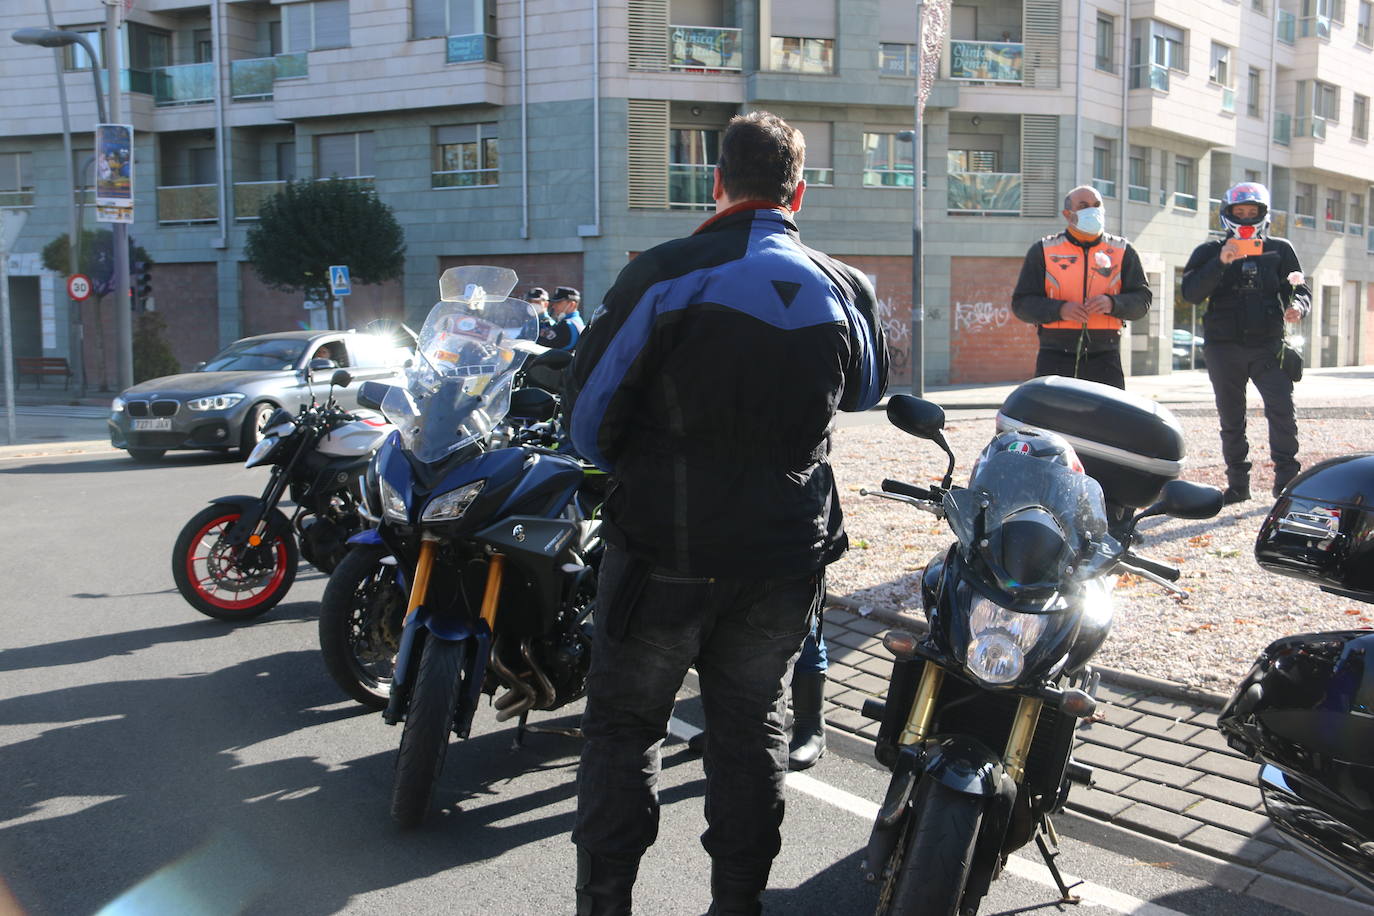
column 916, row 416
column 340, row 378
column 318, row 364
column 1185, row 499
column 371, row 395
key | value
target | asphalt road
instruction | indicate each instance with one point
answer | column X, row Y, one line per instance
column 158, row 761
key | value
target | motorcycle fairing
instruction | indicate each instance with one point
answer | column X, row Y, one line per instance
column 1319, row 824
column 370, row 537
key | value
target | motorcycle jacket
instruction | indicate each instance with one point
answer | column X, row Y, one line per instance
column 1060, row 268
column 706, row 385
column 1245, row 299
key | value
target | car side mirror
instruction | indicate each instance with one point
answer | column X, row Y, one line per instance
column 1185, row 499
column 533, row 404
column 200, row 365
column 371, row 394
column 340, row 378
column 318, row 364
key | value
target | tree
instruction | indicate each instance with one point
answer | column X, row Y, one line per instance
column 153, row 357
column 310, row 225
column 96, row 261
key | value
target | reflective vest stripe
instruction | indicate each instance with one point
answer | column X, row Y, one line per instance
column 1072, row 274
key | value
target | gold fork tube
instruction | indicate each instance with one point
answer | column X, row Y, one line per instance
column 489, row 598
column 423, row 567
column 1019, row 741
column 923, row 706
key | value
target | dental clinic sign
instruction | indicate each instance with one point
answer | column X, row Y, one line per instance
column 988, row 61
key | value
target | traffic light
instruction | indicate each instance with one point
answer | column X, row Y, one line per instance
column 143, row 282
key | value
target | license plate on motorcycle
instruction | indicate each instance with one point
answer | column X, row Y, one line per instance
column 153, row 423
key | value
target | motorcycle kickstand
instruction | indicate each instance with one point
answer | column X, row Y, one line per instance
column 520, row 729
column 1047, row 829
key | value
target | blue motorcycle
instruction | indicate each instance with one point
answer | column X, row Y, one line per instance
column 479, row 577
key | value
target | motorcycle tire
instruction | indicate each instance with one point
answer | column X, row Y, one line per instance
column 937, row 855
column 360, row 625
column 208, row 574
column 425, row 736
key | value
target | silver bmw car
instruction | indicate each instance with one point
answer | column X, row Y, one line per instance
column 224, row 403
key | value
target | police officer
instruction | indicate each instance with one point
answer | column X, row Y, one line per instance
column 1252, row 283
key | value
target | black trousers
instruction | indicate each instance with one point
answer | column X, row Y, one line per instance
column 1230, row 366
column 1103, row 366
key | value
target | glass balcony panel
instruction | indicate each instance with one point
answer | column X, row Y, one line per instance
column 17, row 198
column 253, row 78
column 689, row 186
column 1214, row 216
column 1105, row 187
column 986, row 61
column 1154, row 76
column 991, row 193
column 184, row 84
column 191, row 203
column 1283, row 128
column 1315, row 27
column 1228, row 100
column 888, row 178
column 464, row 49
column 1278, row 223
column 1314, row 127
column 692, row 47
column 1287, row 27
column 1185, row 201
column 1354, row 229
column 1138, row 193
column 249, row 197
column 465, row 178
column 1305, row 220
column 1369, row 241
column 292, row 66
column 1335, row 225
column 818, row 177
column 129, row 81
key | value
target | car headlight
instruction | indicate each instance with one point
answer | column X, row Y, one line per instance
column 393, row 506
column 452, row 504
column 215, row 401
column 1001, row 639
column 117, row 405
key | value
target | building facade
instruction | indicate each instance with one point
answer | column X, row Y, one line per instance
column 560, row 137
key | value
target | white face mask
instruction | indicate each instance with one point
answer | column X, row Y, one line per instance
column 1091, row 220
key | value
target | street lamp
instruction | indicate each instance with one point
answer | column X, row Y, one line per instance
column 60, row 38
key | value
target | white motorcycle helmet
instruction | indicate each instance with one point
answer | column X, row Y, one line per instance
column 1247, row 192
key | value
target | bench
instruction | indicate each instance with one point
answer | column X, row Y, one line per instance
column 40, row 366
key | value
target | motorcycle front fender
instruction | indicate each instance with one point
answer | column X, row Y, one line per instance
column 371, row 537
column 251, row 507
column 424, row 624
column 967, row 766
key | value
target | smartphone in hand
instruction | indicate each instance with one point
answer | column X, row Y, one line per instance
column 1248, row 248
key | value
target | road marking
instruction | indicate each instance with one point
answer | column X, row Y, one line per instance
column 1090, row 893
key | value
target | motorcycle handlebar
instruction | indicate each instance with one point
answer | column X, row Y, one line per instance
column 906, row 489
column 1163, row 570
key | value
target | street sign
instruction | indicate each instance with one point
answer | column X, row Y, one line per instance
column 339, row 283
column 79, row 287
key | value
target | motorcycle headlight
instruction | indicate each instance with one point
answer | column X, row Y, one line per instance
column 1001, row 639
column 215, row 401
column 117, row 405
column 393, row 506
column 452, row 504
column 261, row 451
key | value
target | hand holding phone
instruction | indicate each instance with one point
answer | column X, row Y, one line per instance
column 1248, row 248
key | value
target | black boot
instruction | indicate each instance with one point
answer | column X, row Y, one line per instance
column 604, row 885
column 736, row 887
column 808, row 721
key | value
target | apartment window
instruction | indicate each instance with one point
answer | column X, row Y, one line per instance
column 466, row 156
column 819, row 168
column 1337, row 11
column 343, row 155
column 692, row 156
column 1106, row 43
column 202, row 165
column 314, row 25
column 1305, row 205
column 1156, row 48
column 802, row 37
column 895, row 58
column 1356, row 224
column 1252, row 93
column 16, row 179
column 1185, row 182
column 1104, row 166
column 1220, row 72
column 1139, row 179
column 1253, row 176
column 1257, row 5
column 1326, row 101
column 887, row 161
column 801, row 55
column 972, row 160
column 1317, row 15
column 440, row 18
column 1362, row 23
column 1335, row 210
column 74, row 57
column 286, row 161
column 1359, row 118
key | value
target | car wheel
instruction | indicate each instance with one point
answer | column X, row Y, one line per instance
column 146, row 455
column 253, row 422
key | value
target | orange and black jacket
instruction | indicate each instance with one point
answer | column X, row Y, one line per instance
column 1077, row 267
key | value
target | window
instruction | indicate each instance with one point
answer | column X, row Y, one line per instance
column 1104, row 166
column 74, row 56
column 1167, row 47
column 895, row 59
column 972, row 160
column 692, row 156
column 1305, row 205
column 314, row 25
column 466, row 156
column 204, row 51
column 887, row 161
column 16, row 179
column 1356, row 223
column 1335, row 210
column 819, row 168
column 801, row 55
column 440, row 18
column 202, row 163
column 802, row 36
column 1220, row 72
column 1337, row 11
column 1185, row 182
column 286, row 161
column 1156, row 48
column 1139, row 187
column 1316, row 17
column 1106, row 43
column 1359, row 118
column 1362, row 23
column 1252, row 94
column 1326, row 101
column 1253, row 176
column 1257, row 5
column 343, row 155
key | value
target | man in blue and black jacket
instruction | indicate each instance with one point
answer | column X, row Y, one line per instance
column 706, row 386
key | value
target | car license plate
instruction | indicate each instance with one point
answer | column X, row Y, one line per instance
column 152, row 423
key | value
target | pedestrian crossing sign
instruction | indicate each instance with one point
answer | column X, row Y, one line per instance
column 339, row 283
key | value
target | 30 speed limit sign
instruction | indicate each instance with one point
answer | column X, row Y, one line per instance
column 79, row 287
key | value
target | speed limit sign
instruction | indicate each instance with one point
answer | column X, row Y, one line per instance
column 79, row 287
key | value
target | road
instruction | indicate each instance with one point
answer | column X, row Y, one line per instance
column 170, row 763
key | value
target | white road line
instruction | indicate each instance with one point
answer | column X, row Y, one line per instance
column 1090, row 893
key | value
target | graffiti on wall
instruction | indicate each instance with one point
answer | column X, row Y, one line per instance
column 975, row 317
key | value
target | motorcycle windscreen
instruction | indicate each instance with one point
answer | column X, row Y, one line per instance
column 1033, row 525
column 469, row 349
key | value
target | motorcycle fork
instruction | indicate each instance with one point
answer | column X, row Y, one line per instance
column 1014, row 759
column 922, row 705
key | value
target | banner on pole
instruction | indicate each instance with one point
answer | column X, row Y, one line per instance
column 114, row 166
column 935, row 16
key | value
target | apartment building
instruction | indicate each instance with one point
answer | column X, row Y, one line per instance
column 560, row 137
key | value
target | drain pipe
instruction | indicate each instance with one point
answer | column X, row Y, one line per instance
column 221, row 173
column 595, row 228
column 1078, row 103
column 525, row 132
column 1124, row 178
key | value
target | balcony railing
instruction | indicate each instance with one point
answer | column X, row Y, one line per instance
column 184, row 84
column 1153, row 76
column 466, row 49
column 465, row 178
column 1315, row 26
column 1287, row 27
column 1369, row 242
column 1283, row 128
column 888, row 178
column 1105, row 186
column 818, row 177
column 1138, row 193
column 1228, row 100
column 1185, row 201
column 249, row 196
column 1314, row 127
column 701, row 48
column 1354, row 227
column 689, row 186
column 1305, row 220
column 986, row 61
column 1335, row 225
column 253, row 78
column 129, row 81
column 188, row 203
column 986, row 193
column 1214, row 216
column 1278, row 222
column 23, row 197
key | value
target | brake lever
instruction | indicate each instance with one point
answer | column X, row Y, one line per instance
column 1158, row 580
column 925, row 505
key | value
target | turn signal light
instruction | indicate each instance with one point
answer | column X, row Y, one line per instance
column 1078, row 704
column 900, row 643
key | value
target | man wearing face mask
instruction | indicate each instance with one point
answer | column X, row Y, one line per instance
column 1080, row 286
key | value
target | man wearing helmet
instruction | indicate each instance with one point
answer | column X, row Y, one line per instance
column 1252, row 283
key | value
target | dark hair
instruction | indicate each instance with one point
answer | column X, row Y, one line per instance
column 761, row 158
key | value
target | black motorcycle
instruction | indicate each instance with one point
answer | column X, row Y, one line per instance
column 1305, row 711
column 979, row 719
column 237, row 558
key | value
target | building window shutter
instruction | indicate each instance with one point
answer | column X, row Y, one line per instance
column 1040, row 165
column 647, row 29
column 647, row 151
column 1041, row 37
column 809, row 19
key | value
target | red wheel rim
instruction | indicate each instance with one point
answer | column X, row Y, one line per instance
column 202, row 560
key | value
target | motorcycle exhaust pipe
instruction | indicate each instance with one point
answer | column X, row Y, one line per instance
column 518, row 697
column 547, row 694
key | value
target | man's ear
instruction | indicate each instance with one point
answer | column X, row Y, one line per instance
column 797, row 195
column 717, row 189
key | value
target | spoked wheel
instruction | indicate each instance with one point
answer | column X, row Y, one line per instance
column 429, row 720
column 932, row 862
column 228, row 582
column 360, row 625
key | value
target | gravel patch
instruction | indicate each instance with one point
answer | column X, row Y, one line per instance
column 1207, row 640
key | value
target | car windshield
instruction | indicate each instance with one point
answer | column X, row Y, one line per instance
column 469, row 349
column 257, row 355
